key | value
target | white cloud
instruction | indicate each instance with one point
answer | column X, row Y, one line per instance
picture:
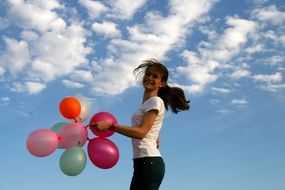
column 108, row 29
column 274, row 37
column 276, row 77
column 82, row 75
column 272, row 87
column 216, row 54
column 72, row 84
column 54, row 54
column 254, row 49
column 30, row 87
column 36, row 14
column 214, row 101
column 237, row 34
column 221, row 90
column 1, row 71
column 239, row 102
column 49, row 47
column 270, row 82
column 198, row 71
column 29, row 35
column 209, row 32
column 61, row 53
column 240, row 73
column 271, row 35
column 16, row 55
column 42, row 70
column 115, row 77
column 124, row 9
column 224, row 111
column 190, row 10
column 34, row 87
column 4, row 100
column 275, row 60
column 95, row 8
column 269, row 14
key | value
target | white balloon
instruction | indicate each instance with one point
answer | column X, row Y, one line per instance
column 85, row 108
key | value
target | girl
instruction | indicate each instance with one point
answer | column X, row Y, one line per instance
column 148, row 164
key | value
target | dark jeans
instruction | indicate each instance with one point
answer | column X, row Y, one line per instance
column 148, row 173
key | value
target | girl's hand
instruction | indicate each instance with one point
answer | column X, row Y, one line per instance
column 101, row 125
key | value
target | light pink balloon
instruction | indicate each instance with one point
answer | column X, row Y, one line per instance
column 73, row 134
column 42, row 142
column 102, row 116
column 103, row 153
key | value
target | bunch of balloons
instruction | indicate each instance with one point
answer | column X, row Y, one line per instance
column 72, row 135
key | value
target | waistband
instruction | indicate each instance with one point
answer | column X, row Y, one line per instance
column 146, row 159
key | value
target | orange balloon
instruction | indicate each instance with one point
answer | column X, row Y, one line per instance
column 70, row 107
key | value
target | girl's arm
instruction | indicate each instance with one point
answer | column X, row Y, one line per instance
column 133, row 132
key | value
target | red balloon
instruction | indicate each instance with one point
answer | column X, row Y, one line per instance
column 103, row 153
column 73, row 134
column 42, row 142
column 70, row 107
column 102, row 116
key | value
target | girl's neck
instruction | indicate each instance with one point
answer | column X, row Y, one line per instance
column 148, row 94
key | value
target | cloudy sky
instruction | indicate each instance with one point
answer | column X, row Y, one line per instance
column 228, row 56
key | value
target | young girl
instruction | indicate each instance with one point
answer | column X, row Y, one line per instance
column 148, row 164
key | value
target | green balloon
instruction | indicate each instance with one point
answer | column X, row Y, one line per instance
column 57, row 129
column 73, row 161
column 58, row 126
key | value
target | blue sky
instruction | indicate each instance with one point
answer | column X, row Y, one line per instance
column 228, row 56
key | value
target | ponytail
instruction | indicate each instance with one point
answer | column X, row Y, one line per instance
column 174, row 98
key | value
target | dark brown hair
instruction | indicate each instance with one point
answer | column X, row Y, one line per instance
column 171, row 96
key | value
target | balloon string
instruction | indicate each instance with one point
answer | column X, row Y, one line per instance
column 75, row 120
column 86, row 129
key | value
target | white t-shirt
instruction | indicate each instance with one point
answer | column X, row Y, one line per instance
column 147, row 146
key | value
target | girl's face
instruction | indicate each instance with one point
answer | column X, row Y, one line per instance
column 152, row 79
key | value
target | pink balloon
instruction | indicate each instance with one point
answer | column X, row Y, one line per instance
column 102, row 152
column 102, row 116
column 42, row 142
column 73, row 134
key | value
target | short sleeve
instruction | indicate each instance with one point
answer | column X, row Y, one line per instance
column 153, row 103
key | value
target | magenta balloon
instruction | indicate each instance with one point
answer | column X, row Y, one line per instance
column 102, row 116
column 102, row 152
column 107, row 133
column 42, row 142
column 73, row 134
